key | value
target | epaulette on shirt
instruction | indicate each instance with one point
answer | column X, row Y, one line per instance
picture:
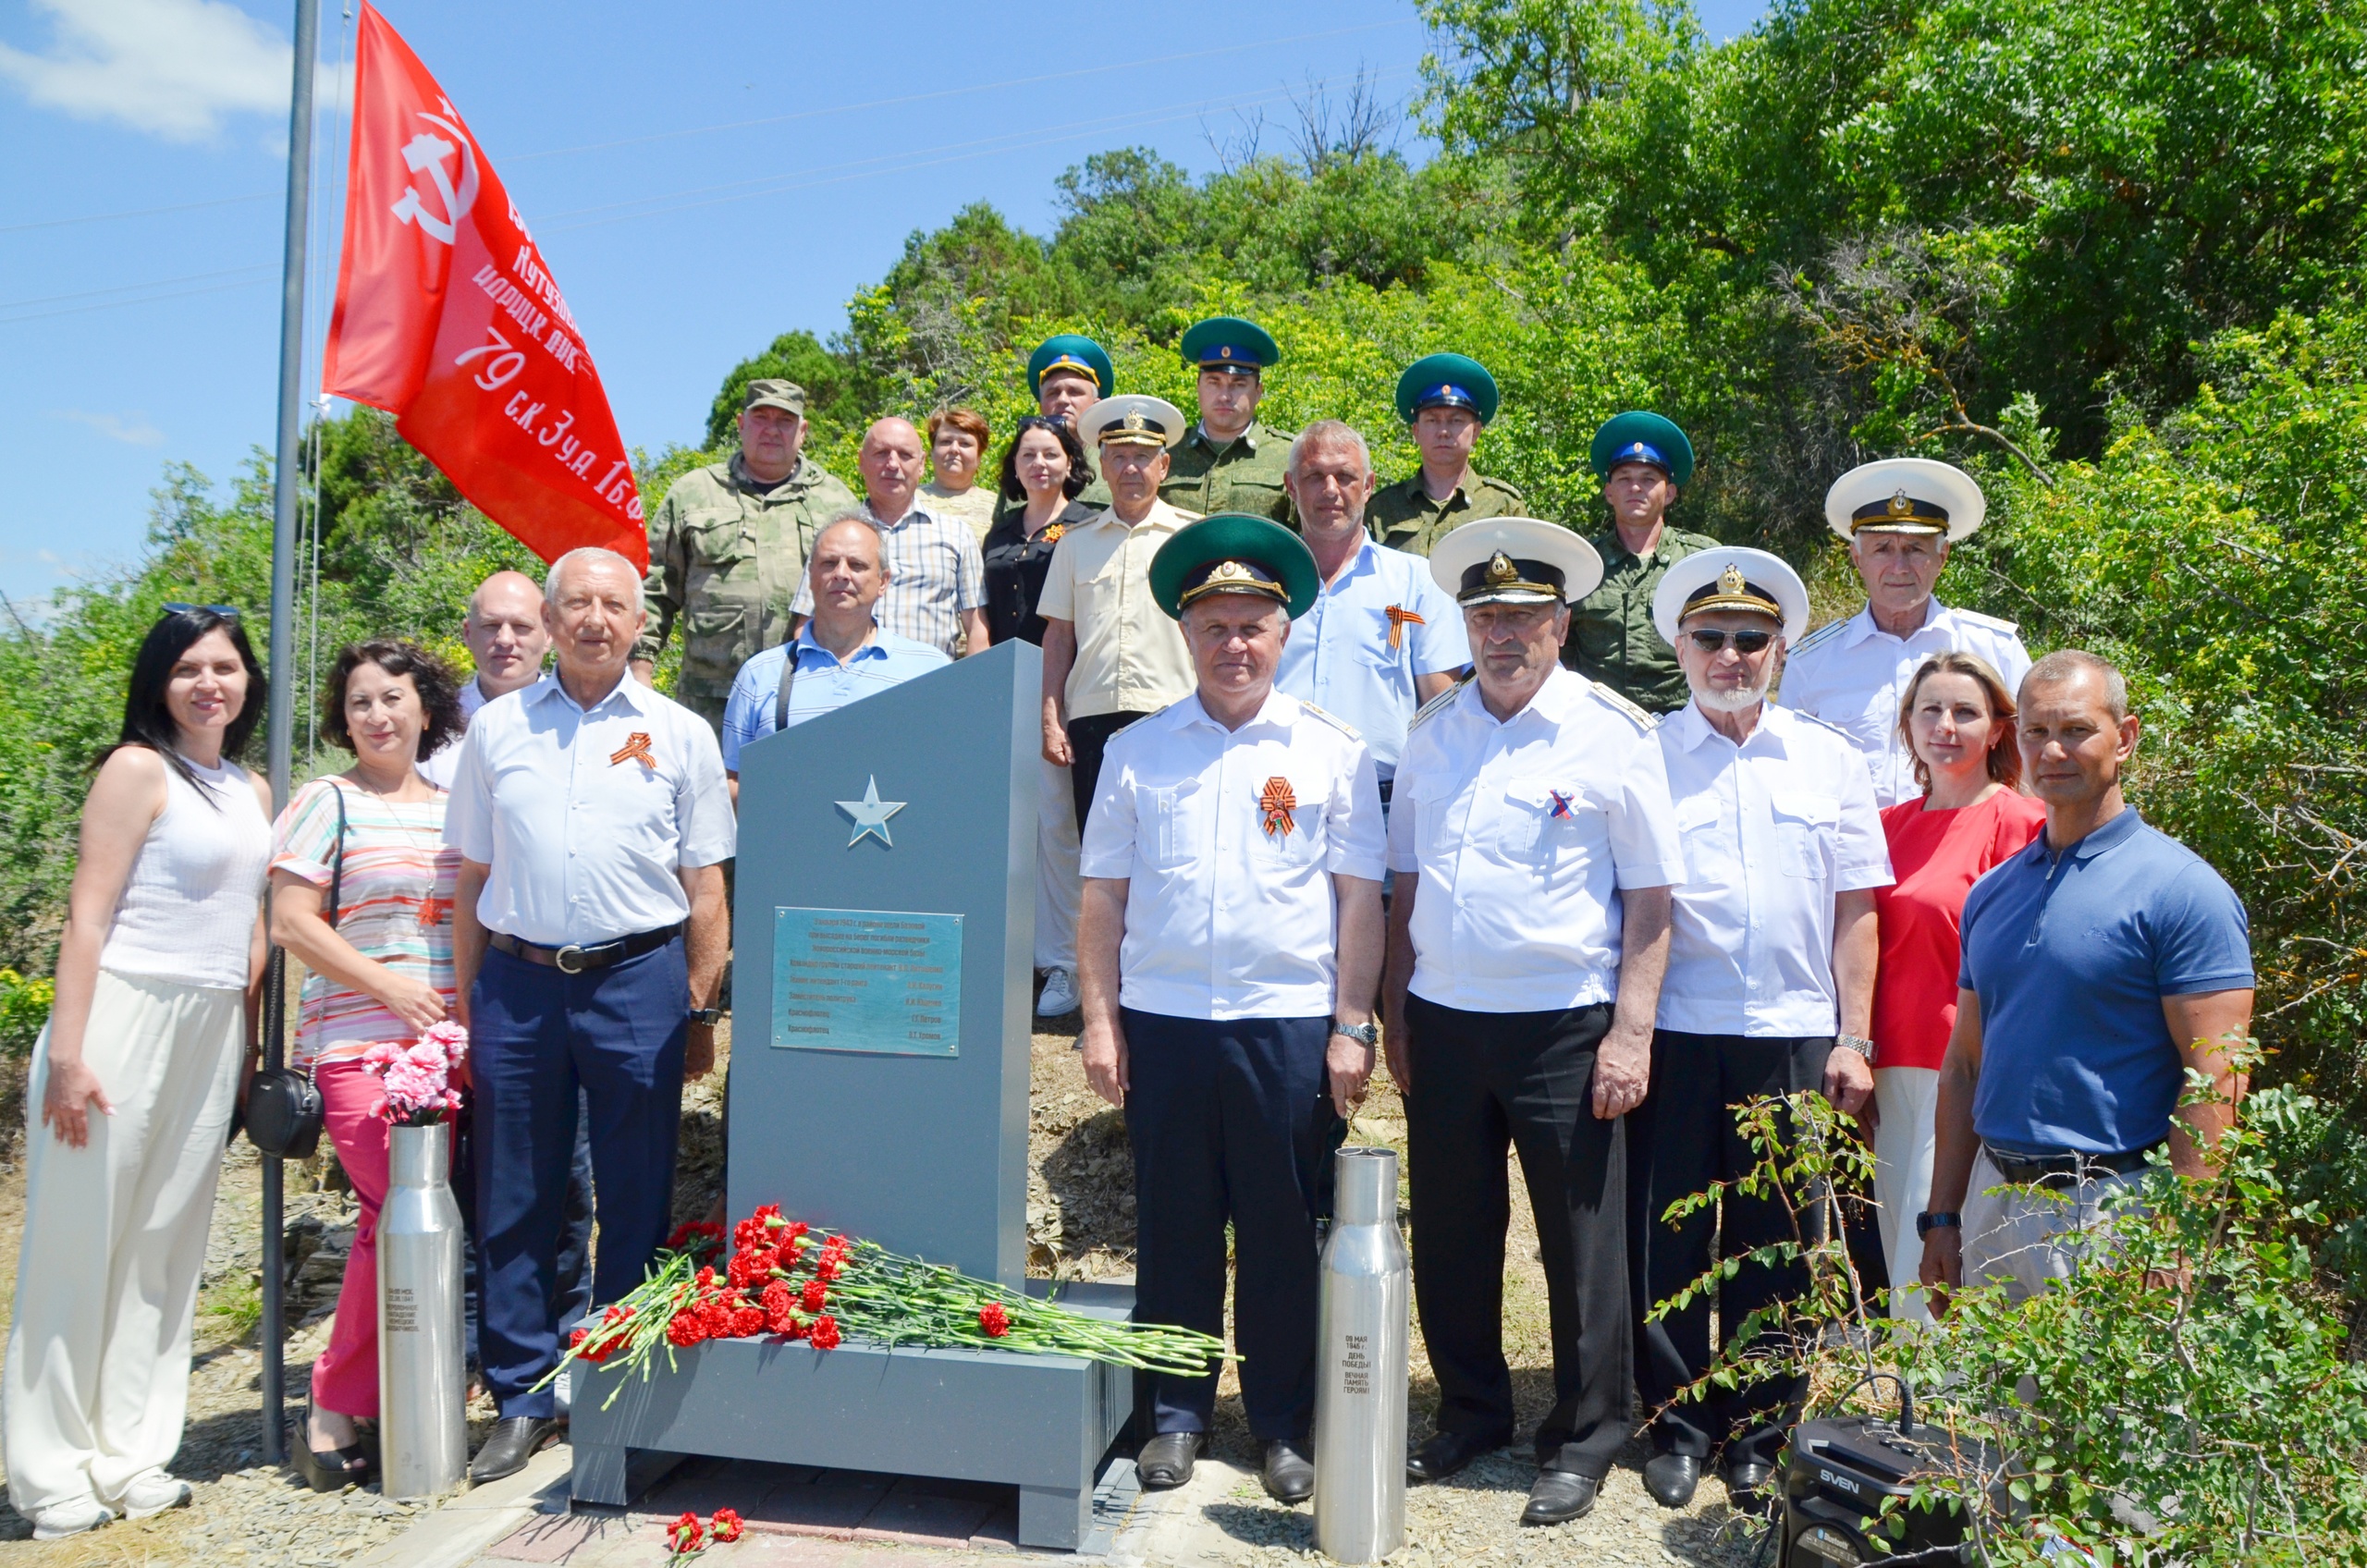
column 1644, row 721
column 1438, row 702
column 1989, row 623
column 1804, row 716
column 1334, row 719
column 1824, row 633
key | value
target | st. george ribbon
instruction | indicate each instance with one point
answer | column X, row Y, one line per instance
column 448, row 318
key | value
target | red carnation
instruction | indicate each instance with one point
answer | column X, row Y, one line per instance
column 797, row 1228
column 994, row 1319
column 811, row 1296
column 825, row 1333
column 575, row 1341
column 747, row 1320
column 684, row 1535
column 748, row 1267
column 727, row 1523
column 777, row 1301
column 799, row 1326
column 687, row 1330
column 826, row 1267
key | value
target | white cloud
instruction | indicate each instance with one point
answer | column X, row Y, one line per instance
column 172, row 67
column 132, row 429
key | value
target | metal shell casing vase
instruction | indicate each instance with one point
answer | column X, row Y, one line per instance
column 1360, row 1397
column 422, row 1433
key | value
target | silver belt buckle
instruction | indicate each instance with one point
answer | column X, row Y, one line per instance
column 570, row 959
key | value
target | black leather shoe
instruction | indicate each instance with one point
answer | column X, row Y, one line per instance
column 1445, row 1453
column 1559, row 1497
column 1166, row 1461
column 515, row 1439
column 1746, row 1489
column 1671, row 1478
column 1290, row 1474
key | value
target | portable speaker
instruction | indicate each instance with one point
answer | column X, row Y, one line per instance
column 1843, row 1470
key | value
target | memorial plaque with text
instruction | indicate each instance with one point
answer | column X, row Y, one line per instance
column 868, row 980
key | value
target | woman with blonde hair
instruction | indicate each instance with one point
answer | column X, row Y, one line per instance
column 1957, row 720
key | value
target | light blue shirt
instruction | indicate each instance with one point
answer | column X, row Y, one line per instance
column 1341, row 657
column 824, row 683
column 586, row 817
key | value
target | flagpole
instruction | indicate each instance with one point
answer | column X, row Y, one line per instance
column 287, row 483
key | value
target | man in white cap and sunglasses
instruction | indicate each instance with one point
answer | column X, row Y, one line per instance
column 1769, row 991
column 1535, row 847
column 1899, row 517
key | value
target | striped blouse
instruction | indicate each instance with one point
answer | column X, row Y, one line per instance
column 395, row 905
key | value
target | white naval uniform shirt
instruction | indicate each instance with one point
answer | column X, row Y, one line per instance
column 1772, row 829
column 1853, row 675
column 1524, row 832
column 581, row 848
column 1225, row 918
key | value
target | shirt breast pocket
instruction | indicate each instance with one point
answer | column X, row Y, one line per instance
column 1805, row 828
column 717, row 539
column 1702, row 828
column 1166, row 822
column 1299, row 846
column 1541, row 822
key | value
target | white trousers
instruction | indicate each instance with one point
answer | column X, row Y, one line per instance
column 2029, row 1237
column 1906, row 1101
column 1058, row 890
column 96, row 1386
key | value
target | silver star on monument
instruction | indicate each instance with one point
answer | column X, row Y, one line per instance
column 871, row 815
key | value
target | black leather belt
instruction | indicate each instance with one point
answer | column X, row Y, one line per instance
column 2065, row 1170
column 574, row 960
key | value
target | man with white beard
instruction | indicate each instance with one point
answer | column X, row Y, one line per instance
column 1769, row 991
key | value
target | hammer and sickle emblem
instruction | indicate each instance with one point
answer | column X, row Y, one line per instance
column 427, row 152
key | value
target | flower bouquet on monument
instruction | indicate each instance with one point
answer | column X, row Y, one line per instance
column 784, row 1279
column 418, row 1077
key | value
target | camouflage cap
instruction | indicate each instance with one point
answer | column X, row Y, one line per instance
column 784, row 395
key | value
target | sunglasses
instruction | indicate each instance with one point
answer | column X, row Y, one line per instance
column 230, row 611
column 1746, row 642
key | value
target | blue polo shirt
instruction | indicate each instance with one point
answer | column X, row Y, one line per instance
column 1342, row 657
column 2071, row 955
column 823, row 685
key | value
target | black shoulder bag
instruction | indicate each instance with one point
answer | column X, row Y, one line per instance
column 284, row 1106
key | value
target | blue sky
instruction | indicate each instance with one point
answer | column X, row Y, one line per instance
column 685, row 235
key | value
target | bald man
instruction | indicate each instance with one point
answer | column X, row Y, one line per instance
column 504, row 631
column 936, row 579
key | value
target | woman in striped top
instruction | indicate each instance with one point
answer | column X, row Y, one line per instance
column 381, row 970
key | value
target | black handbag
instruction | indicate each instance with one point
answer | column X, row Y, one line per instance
column 283, row 1107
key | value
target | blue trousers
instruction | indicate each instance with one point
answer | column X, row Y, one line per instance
column 540, row 1041
column 574, row 1293
column 1230, row 1121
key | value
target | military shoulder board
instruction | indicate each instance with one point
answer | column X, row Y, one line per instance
column 1989, row 623
column 1822, row 633
column 1438, row 702
column 1334, row 719
column 1643, row 719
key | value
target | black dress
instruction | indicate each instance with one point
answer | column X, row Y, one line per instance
column 1016, row 568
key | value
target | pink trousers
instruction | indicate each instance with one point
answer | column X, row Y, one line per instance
column 345, row 1378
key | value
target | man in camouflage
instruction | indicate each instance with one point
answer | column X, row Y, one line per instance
column 727, row 549
column 1446, row 400
column 1230, row 462
column 1641, row 458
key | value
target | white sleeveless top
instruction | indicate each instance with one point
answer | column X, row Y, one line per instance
column 187, row 913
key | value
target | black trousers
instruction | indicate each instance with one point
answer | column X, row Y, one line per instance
column 1230, row 1121
column 1679, row 1141
column 1087, row 739
column 1484, row 1081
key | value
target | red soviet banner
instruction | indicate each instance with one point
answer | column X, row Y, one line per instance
column 448, row 319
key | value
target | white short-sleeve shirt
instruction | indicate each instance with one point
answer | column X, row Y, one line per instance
column 1230, row 907
column 585, row 817
column 1853, row 675
column 1523, row 833
column 1772, row 829
column 1356, row 651
column 440, row 768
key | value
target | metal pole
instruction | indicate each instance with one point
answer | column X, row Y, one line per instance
column 286, row 481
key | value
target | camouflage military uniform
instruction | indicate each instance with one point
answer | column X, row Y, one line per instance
column 1247, row 476
column 725, row 555
column 1611, row 636
column 1403, row 516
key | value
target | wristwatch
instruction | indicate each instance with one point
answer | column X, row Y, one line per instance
column 1947, row 1220
column 1363, row 1034
column 1858, row 1042
column 710, row 1016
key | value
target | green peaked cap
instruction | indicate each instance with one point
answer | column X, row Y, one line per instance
column 1640, row 437
column 1229, row 340
column 1234, row 537
column 1449, row 381
column 1071, row 351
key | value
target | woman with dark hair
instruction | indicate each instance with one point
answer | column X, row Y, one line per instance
column 1043, row 471
column 379, row 970
column 1957, row 720
column 136, row 1075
